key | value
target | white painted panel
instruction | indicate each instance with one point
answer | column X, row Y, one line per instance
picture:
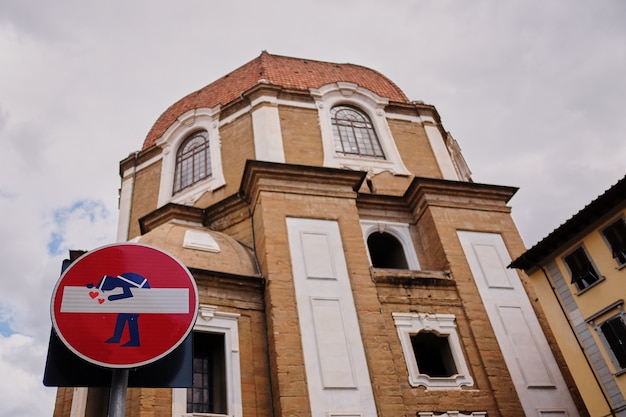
column 268, row 140
column 527, row 352
column 200, row 240
column 318, row 260
column 328, row 322
column 492, row 266
column 332, row 344
column 125, row 202
column 438, row 145
column 535, row 373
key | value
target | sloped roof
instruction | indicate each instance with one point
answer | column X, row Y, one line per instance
column 286, row 72
column 611, row 198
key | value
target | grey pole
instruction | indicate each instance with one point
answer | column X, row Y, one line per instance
column 117, row 398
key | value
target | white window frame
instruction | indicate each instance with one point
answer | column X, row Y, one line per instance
column 212, row 321
column 188, row 123
column 408, row 324
column 398, row 230
column 344, row 93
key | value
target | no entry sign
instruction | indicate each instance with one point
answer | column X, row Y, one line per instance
column 124, row 305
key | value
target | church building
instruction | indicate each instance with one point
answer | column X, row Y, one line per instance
column 346, row 263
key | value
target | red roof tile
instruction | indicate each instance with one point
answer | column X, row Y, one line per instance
column 286, row 72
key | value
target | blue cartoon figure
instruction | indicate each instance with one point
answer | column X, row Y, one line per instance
column 126, row 282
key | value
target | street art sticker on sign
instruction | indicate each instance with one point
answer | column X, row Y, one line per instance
column 124, row 305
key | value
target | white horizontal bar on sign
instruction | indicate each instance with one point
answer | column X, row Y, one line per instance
column 144, row 300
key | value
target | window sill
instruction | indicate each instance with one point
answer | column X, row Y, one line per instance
column 189, row 195
column 411, row 277
column 584, row 290
column 455, row 382
column 204, row 415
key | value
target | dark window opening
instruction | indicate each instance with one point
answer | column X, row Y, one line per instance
column 614, row 332
column 433, row 355
column 583, row 272
column 615, row 235
column 354, row 133
column 208, row 394
column 386, row 251
column 193, row 161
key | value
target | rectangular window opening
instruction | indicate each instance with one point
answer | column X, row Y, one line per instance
column 208, row 394
column 615, row 235
column 433, row 355
column 582, row 270
column 614, row 332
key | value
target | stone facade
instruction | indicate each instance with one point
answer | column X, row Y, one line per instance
column 278, row 184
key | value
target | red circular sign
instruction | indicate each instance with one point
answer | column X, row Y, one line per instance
column 124, row 305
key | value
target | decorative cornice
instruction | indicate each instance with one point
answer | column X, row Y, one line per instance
column 429, row 192
column 168, row 212
column 298, row 179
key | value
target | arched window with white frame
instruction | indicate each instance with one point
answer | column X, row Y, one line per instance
column 354, row 128
column 191, row 157
column 193, row 161
column 354, row 133
column 389, row 245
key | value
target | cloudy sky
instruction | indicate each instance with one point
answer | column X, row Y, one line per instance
column 533, row 91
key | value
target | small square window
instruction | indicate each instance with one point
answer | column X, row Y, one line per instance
column 581, row 269
column 615, row 235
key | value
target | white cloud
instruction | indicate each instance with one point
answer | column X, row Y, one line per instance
column 22, row 360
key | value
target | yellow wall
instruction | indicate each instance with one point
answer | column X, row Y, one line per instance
column 593, row 299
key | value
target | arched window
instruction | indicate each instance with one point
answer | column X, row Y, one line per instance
column 354, row 133
column 193, row 161
column 386, row 251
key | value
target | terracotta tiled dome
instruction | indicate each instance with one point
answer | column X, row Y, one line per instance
column 198, row 247
column 286, row 72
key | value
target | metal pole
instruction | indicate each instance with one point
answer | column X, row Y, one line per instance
column 117, row 397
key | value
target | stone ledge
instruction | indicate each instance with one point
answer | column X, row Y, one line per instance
column 411, row 277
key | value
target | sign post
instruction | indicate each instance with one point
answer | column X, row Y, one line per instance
column 122, row 306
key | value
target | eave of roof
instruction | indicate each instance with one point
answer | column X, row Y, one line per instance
column 603, row 204
column 285, row 72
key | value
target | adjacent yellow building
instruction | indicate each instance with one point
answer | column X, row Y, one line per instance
column 579, row 274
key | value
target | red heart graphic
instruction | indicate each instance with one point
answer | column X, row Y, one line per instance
column 93, row 294
column 100, row 300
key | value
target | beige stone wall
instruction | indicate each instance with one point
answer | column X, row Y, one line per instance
column 145, row 195
column 229, row 295
column 483, row 352
column 63, row 402
column 414, row 148
column 269, row 330
column 302, row 139
column 237, row 146
column 245, row 298
column 493, row 391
